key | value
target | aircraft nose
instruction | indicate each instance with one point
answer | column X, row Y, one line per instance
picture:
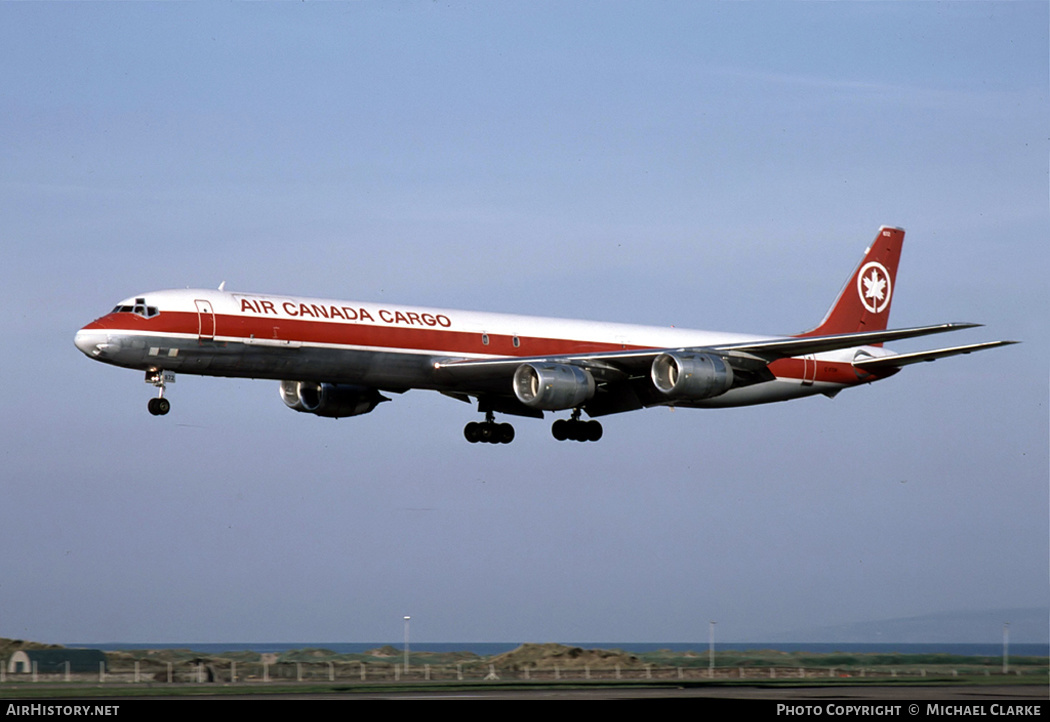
column 91, row 342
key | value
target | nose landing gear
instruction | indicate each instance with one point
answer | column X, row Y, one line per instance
column 159, row 378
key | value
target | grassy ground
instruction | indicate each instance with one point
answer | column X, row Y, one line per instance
column 528, row 667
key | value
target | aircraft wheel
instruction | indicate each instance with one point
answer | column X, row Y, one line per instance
column 505, row 433
column 594, row 431
column 581, row 432
column 471, row 432
column 159, row 407
column 560, row 429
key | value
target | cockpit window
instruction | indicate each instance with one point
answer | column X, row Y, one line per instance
column 140, row 308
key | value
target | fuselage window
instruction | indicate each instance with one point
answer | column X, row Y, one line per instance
column 485, row 339
column 517, row 342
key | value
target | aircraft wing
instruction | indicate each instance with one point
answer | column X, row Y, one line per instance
column 623, row 376
column 744, row 356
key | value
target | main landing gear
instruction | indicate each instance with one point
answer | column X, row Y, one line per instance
column 160, row 405
column 488, row 431
column 575, row 430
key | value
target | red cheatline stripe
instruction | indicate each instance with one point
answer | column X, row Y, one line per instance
column 355, row 334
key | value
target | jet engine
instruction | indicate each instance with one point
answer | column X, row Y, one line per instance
column 691, row 376
column 331, row 400
column 552, row 386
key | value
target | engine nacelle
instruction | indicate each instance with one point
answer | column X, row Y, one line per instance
column 331, row 400
column 552, row 386
column 691, row 376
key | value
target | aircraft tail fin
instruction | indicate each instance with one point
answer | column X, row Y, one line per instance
column 863, row 304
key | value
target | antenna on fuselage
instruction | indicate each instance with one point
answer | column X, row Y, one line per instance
column 222, row 286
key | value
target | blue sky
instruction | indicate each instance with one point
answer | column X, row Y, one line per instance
column 706, row 165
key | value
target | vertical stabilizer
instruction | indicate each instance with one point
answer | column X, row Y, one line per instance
column 863, row 304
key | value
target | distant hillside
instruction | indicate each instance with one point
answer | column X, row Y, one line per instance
column 1030, row 625
column 550, row 654
column 10, row 646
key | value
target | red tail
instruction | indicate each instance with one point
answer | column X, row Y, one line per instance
column 864, row 302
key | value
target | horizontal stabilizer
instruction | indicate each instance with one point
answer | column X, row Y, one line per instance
column 904, row 359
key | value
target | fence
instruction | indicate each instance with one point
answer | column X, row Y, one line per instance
column 229, row 671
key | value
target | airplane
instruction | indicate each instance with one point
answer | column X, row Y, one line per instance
column 337, row 358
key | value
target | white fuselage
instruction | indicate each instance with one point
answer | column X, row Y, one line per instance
column 394, row 347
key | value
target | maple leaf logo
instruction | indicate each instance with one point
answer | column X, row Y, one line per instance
column 873, row 287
